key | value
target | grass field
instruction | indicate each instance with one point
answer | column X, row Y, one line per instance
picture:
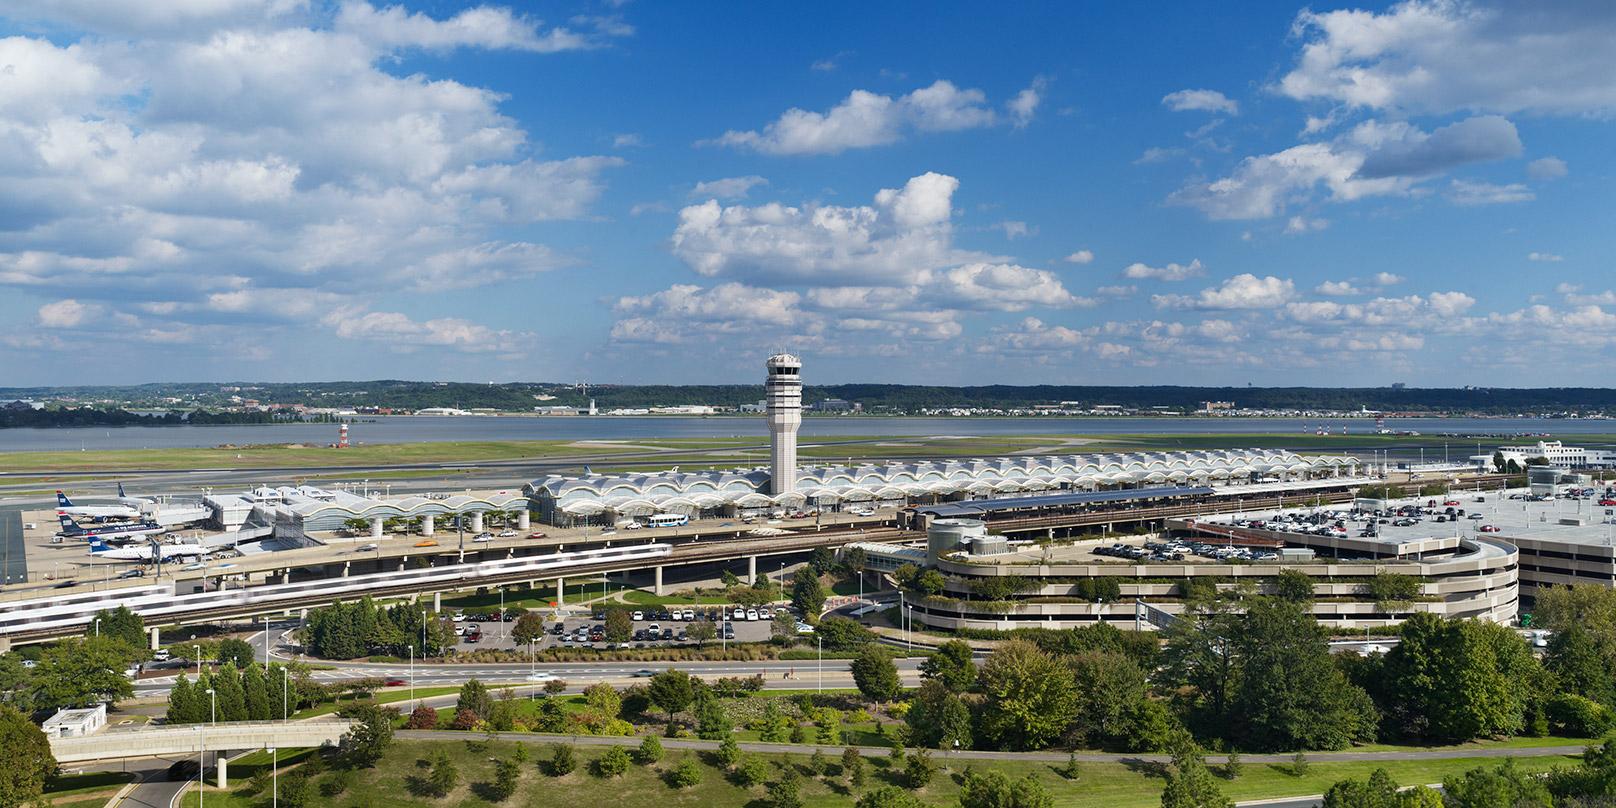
column 90, row 788
column 1099, row 785
column 695, row 451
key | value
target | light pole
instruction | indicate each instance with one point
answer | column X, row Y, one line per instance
column 196, row 651
column 202, row 751
column 266, row 641
column 908, row 625
column 502, row 612
column 532, row 668
column 821, row 663
column 274, row 777
column 412, row 671
column 98, row 627
column 286, row 688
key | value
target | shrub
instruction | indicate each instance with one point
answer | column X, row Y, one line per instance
column 464, row 720
column 422, row 717
column 853, row 767
column 1574, row 715
column 1300, row 765
column 919, row 769
column 752, row 771
column 1231, row 767
column 817, row 764
column 783, row 794
column 443, row 777
column 563, row 760
column 613, row 763
column 650, row 750
column 686, row 774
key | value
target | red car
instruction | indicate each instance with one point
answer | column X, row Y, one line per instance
column 396, row 683
column 1607, row 502
column 1488, row 529
column 1450, row 503
column 536, row 535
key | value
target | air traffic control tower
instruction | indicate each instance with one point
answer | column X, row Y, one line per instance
column 783, row 392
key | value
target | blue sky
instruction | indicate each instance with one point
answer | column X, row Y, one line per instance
column 665, row 192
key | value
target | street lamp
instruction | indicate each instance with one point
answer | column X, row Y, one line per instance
column 266, row 641
column 412, row 670
column 821, row 657
column 196, row 651
column 98, row 627
column 202, row 751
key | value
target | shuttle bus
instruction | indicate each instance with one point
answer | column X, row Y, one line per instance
column 667, row 520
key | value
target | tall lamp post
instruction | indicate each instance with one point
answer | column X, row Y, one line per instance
column 821, row 658
column 412, row 671
column 266, row 641
column 98, row 627
column 196, row 651
column 202, row 750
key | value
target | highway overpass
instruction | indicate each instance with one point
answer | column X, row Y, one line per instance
column 197, row 739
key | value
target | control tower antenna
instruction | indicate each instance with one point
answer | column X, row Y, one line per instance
column 783, row 393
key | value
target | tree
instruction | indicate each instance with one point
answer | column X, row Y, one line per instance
column 1458, row 679
column 1379, row 791
column 930, row 582
column 853, row 767
column 843, row 634
column 1189, row 783
column 605, row 698
column 751, row 770
column 528, row 628
column 952, row 664
column 1578, row 665
column 686, row 774
column 255, row 691
column 784, row 793
column 1110, row 688
column 555, row 687
column 369, row 736
column 619, row 625
column 28, row 760
column 889, row 797
column 729, row 579
column 728, row 752
column 671, row 690
column 919, row 769
column 992, row 789
column 237, row 651
column 122, row 625
column 876, row 675
column 712, row 723
column 1291, row 694
column 938, row 718
column 78, row 673
column 474, row 697
column 1392, row 591
column 702, row 632
column 807, row 594
column 1199, row 657
column 1293, row 585
column 506, row 772
column 822, row 560
column 563, row 760
column 443, row 776
column 182, row 704
column 1503, row 785
column 650, row 750
column 232, row 700
column 1030, row 697
column 613, row 763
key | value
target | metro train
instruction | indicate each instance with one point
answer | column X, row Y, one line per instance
column 155, row 602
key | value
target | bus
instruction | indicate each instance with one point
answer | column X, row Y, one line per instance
column 667, row 520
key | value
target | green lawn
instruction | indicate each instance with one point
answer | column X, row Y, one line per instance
column 1100, row 785
column 533, row 599
column 384, row 697
column 640, row 597
column 75, row 789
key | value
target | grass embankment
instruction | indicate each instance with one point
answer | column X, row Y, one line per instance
column 383, row 697
column 1100, row 785
column 83, row 790
column 293, row 455
column 538, row 599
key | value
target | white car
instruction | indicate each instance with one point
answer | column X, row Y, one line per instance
column 507, row 534
column 751, row 614
column 638, row 616
column 687, row 614
column 161, row 655
column 765, row 614
column 482, row 537
column 365, row 548
column 633, row 526
column 541, row 676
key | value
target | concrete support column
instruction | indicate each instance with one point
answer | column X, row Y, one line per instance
column 477, row 522
column 345, row 568
column 376, row 527
column 437, row 602
column 658, row 588
column 561, row 591
column 154, row 638
column 524, row 520
column 429, row 524
column 222, row 765
column 751, row 569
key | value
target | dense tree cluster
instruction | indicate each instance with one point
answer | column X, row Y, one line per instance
column 239, row 694
column 351, row 630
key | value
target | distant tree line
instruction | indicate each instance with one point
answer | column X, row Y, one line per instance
column 19, row 417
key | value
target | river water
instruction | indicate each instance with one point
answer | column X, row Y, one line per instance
column 424, row 429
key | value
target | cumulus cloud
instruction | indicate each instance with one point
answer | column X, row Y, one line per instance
column 728, row 187
column 1338, row 289
column 865, row 119
column 1000, row 287
column 1544, row 257
column 1170, row 272
column 1441, row 56
column 1417, row 154
column 1546, row 168
column 64, row 313
column 1024, row 105
column 1200, row 101
column 1301, row 224
column 1387, row 279
column 1243, row 291
column 1080, row 257
column 270, row 157
column 1015, row 229
column 479, row 27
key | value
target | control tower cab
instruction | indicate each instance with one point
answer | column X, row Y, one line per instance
column 783, row 394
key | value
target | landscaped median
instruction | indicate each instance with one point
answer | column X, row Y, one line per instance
column 398, row 778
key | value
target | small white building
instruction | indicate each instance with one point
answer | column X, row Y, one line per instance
column 76, row 723
column 1558, row 454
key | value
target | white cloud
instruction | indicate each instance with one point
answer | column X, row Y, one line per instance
column 1157, row 154
column 1467, row 192
column 728, row 187
column 1338, row 289
column 1033, row 335
column 1546, row 168
column 1544, row 257
column 64, row 313
column 1200, row 101
column 402, row 333
column 1243, row 291
column 998, row 287
column 1445, row 56
column 627, row 140
column 1387, row 279
column 1080, row 257
column 1116, row 291
column 1416, row 154
column 865, row 119
column 479, row 27
column 1170, row 272
column 896, row 241
column 1302, row 224
column 1014, row 229
column 1024, row 105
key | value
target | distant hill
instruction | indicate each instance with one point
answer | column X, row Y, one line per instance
column 524, row 396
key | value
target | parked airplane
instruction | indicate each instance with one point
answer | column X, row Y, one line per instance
column 71, row 530
column 65, row 505
column 147, row 552
column 137, row 503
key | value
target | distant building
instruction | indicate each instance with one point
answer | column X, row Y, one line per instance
column 1216, row 406
column 1558, row 454
column 832, row 405
column 76, row 723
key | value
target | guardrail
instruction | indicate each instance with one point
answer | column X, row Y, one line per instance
column 192, row 739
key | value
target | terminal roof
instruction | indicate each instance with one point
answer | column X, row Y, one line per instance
column 978, row 507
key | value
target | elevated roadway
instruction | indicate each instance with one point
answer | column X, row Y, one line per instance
column 195, row 739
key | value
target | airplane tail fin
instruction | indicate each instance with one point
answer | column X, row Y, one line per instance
column 69, row 527
column 98, row 546
column 62, row 501
column 121, row 494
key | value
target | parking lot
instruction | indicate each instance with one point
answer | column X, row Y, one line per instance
column 588, row 631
